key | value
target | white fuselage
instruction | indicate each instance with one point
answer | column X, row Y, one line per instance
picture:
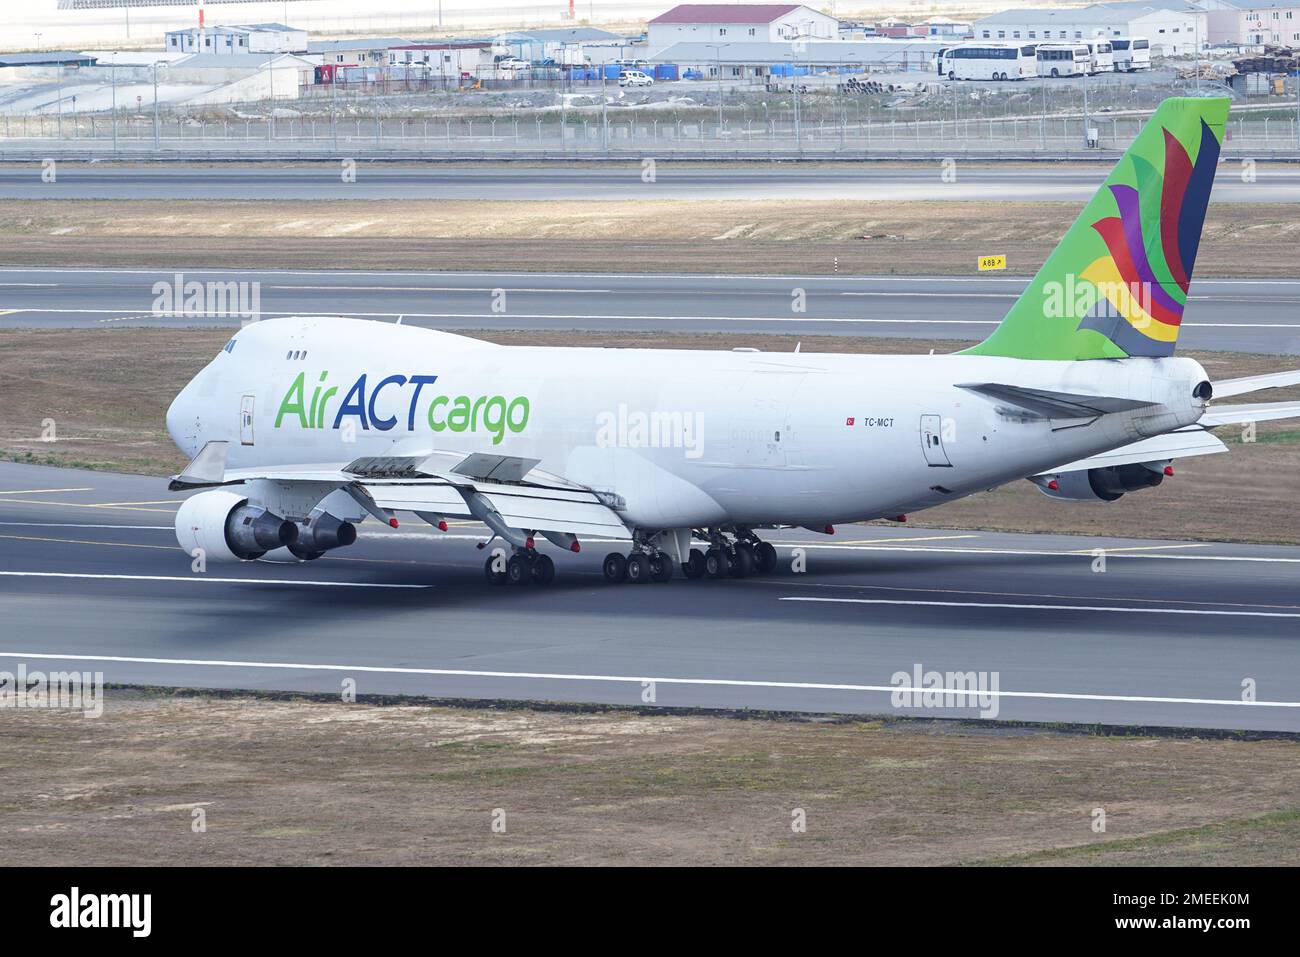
column 684, row 438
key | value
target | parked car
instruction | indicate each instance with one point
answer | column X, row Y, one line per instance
column 634, row 78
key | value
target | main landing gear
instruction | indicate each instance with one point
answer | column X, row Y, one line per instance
column 524, row 566
column 736, row 555
column 638, row 567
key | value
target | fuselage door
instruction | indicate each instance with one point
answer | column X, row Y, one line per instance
column 246, row 420
column 932, row 441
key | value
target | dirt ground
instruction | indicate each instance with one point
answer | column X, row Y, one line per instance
column 298, row 782
column 68, row 374
column 742, row 236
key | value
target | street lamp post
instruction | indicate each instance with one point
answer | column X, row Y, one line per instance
column 113, row 75
column 717, row 69
column 157, row 132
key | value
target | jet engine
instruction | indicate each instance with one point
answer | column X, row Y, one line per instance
column 227, row 528
column 1105, row 484
column 319, row 532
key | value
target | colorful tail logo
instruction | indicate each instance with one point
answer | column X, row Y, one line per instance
column 1146, row 275
column 1117, row 284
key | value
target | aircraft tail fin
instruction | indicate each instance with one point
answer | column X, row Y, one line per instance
column 1117, row 284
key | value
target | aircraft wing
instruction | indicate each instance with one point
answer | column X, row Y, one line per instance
column 507, row 493
column 1182, row 444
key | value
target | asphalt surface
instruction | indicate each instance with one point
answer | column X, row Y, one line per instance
column 91, row 579
column 1273, row 184
column 1236, row 315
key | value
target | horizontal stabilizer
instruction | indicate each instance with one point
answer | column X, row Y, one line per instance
column 1258, row 412
column 1172, row 445
column 1255, row 383
column 1055, row 405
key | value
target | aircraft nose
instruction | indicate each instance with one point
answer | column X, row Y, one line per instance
column 183, row 421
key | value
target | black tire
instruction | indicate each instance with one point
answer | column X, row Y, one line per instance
column 715, row 563
column 661, row 567
column 518, row 570
column 741, row 563
column 543, row 570
column 494, row 577
column 952, row 75
column 693, row 567
column 765, row 560
column 638, row 568
column 748, row 548
column 1056, row 74
column 615, row 567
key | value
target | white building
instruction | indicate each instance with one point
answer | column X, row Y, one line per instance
column 446, row 58
column 1174, row 27
column 238, row 38
column 1272, row 22
column 753, row 60
column 739, row 22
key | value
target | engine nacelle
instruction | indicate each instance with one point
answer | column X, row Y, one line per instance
column 1102, row 485
column 319, row 533
column 227, row 528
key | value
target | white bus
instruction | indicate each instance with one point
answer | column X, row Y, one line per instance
column 1131, row 53
column 1064, row 59
column 990, row 61
column 1102, row 55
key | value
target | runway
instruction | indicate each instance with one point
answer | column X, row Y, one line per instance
column 91, row 579
column 1224, row 314
column 860, row 182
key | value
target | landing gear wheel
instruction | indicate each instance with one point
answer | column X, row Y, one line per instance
column 661, row 567
column 615, row 567
column 518, row 570
column 749, row 549
column 693, row 567
column 741, row 563
column 495, row 576
column 765, row 559
column 638, row 568
column 543, row 570
column 715, row 563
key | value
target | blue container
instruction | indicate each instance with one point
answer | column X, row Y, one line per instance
column 666, row 71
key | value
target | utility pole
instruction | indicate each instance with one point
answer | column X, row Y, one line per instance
column 113, row 75
column 717, row 69
column 157, row 134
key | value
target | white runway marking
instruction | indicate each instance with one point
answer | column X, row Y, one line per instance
column 202, row 579
column 42, row 491
column 628, row 679
column 452, row 275
column 147, row 528
column 1031, row 607
column 499, row 318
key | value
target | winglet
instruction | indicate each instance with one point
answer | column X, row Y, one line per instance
column 205, row 469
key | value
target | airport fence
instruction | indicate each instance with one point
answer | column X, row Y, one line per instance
column 446, row 138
